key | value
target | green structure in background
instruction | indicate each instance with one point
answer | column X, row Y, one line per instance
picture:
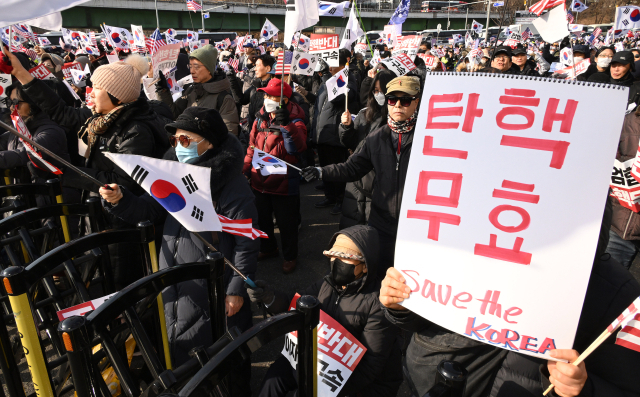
column 91, row 18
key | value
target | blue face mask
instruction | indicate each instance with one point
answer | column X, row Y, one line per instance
column 188, row 154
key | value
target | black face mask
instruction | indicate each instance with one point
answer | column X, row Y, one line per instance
column 342, row 273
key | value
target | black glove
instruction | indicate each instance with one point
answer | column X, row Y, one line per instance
column 161, row 84
column 311, row 173
column 282, row 115
column 264, row 293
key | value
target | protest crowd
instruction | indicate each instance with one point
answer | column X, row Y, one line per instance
column 251, row 122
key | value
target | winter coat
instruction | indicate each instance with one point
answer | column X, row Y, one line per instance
column 247, row 82
column 378, row 153
column 365, row 87
column 359, row 311
column 611, row 369
column 537, row 67
column 206, row 95
column 356, row 204
column 137, row 130
column 625, row 222
column 251, row 97
column 284, row 142
column 187, row 304
column 324, row 129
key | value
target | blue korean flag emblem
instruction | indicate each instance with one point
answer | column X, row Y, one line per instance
column 634, row 16
column 168, row 195
column 340, row 82
column 325, row 6
column 271, row 160
column 303, row 63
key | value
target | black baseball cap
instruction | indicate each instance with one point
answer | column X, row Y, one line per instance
column 502, row 49
column 623, row 57
column 519, row 50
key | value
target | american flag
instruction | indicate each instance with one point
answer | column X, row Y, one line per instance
column 596, row 32
column 234, row 63
column 569, row 17
column 193, row 6
column 30, row 53
column 526, row 34
column 154, row 42
column 544, row 5
column 626, row 315
column 240, row 227
column 284, row 61
column 92, row 37
column 629, row 335
column 228, row 42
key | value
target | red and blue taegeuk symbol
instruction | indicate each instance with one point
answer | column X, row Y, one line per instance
column 635, row 15
column 116, row 37
column 341, row 82
column 325, row 6
column 75, row 36
column 190, row 36
column 171, row 32
column 301, row 41
column 270, row 160
column 303, row 63
column 265, row 33
column 168, row 195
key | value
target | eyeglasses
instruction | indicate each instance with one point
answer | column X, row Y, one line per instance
column 184, row 140
column 12, row 102
column 194, row 67
column 405, row 101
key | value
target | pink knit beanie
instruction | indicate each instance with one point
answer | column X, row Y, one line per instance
column 122, row 79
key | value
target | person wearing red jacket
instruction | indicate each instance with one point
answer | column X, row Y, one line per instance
column 279, row 131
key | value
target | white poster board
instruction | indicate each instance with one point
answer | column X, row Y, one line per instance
column 498, row 225
column 326, row 47
column 407, row 45
column 165, row 58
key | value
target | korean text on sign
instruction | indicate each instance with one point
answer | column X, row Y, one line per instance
column 326, row 46
column 503, row 202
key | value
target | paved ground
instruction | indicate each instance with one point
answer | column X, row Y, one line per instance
column 317, row 228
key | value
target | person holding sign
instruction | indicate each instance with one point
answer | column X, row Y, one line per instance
column 497, row 372
column 386, row 151
column 348, row 294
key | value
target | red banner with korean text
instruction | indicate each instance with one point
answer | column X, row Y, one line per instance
column 339, row 353
column 496, row 202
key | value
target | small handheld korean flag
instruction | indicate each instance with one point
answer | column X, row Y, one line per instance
column 268, row 31
column 303, row 63
column 352, row 31
column 182, row 189
column 337, row 85
column 476, row 26
column 267, row 164
column 578, row 6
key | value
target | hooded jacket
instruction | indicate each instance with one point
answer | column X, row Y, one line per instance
column 378, row 153
column 358, row 310
column 137, row 130
column 324, row 129
column 284, row 142
column 206, row 95
column 186, row 304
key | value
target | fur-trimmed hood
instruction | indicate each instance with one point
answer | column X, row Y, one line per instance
column 225, row 162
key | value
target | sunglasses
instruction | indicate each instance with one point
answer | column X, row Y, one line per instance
column 184, row 140
column 11, row 102
column 405, row 101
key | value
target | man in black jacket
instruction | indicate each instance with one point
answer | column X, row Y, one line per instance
column 386, row 151
column 263, row 71
column 324, row 133
column 349, row 296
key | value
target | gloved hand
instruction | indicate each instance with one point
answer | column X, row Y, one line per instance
column 264, row 293
column 311, row 173
column 162, row 82
column 282, row 115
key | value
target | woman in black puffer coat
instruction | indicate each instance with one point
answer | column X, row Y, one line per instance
column 357, row 195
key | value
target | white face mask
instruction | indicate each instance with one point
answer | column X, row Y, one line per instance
column 604, row 62
column 270, row 106
column 379, row 97
column 577, row 59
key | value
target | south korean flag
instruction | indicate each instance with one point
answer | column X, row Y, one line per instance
column 267, row 164
column 303, row 63
column 337, row 85
column 182, row 189
column 268, row 31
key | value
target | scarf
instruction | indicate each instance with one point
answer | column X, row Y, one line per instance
column 100, row 123
column 402, row 126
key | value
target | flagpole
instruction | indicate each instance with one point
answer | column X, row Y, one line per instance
column 157, row 19
column 346, row 94
column 227, row 262
column 202, row 15
column 363, row 28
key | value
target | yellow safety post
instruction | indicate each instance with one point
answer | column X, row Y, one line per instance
column 17, row 291
column 63, row 221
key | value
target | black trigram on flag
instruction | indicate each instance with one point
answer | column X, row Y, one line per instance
column 626, row 11
column 189, row 183
column 625, row 22
column 139, row 174
column 197, row 213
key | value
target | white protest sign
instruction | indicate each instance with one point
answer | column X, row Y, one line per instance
column 66, row 69
column 482, row 205
column 573, row 71
column 165, row 58
column 83, row 308
column 430, row 61
column 339, row 353
column 624, row 186
column 407, row 45
column 400, row 64
column 325, row 46
column 40, row 72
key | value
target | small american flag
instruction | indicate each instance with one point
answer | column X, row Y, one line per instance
column 240, row 227
column 626, row 315
column 569, row 17
column 30, row 53
column 154, row 42
column 544, row 5
column 526, row 34
column 629, row 335
column 92, row 37
column 234, row 63
column 596, row 32
column 284, row 62
column 228, row 42
column 193, row 6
